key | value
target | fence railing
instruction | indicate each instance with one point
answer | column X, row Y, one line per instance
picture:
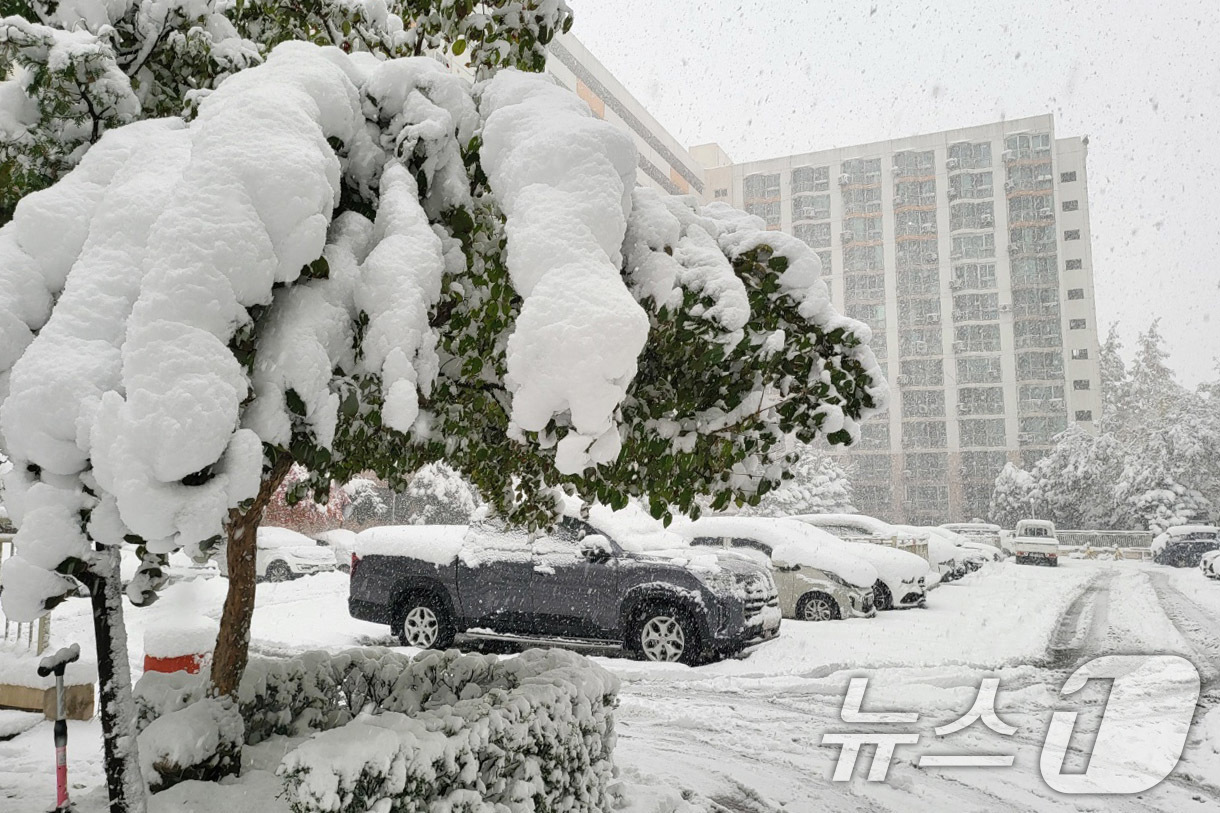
column 35, row 636
column 1106, row 539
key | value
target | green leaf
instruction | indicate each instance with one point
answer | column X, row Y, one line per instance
column 458, row 47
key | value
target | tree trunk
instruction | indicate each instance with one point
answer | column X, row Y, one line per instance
column 124, row 783
column 233, row 642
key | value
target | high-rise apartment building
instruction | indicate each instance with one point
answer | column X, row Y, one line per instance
column 968, row 253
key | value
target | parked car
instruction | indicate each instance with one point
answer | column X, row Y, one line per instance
column 580, row 584
column 1034, row 541
column 282, row 554
column 341, row 542
column 817, row 580
column 975, row 554
column 983, row 532
column 1184, row 545
column 1209, row 563
column 904, row 577
column 946, row 558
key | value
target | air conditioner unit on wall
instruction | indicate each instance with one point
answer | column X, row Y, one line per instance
column 844, row 179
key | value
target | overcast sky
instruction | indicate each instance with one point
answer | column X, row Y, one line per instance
column 1141, row 78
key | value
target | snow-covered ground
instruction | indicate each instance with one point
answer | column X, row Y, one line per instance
column 745, row 734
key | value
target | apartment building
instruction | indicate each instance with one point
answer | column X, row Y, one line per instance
column 968, row 253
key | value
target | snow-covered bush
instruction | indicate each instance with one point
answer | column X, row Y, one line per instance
column 193, row 742
column 438, row 495
column 538, row 726
column 817, row 483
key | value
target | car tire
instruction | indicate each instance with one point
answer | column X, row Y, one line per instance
column 882, row 598
column 817, row 606
column 278, row 571
column 423, row 621
column 665, row 633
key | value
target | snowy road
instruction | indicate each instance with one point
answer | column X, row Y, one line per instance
column 744, row 736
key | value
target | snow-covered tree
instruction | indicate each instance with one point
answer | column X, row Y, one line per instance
column 358, row 265
column 1115, row 382
column 292, row 505
column 83, row 67
column 1016, row 497
column 818, row 484
column 368, row 503
column 438, row 495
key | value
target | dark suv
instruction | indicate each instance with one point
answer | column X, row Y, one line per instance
column 574, row 586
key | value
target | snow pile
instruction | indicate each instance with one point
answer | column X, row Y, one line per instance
column 195, row 742
column 541, row 739
column 19, row 667
column 181, row 636
column 563, row 179
column 438, row 544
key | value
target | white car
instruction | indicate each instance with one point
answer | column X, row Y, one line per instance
column 974, row 552
column 1210, row 564
column 342, row 543
column 982, row 532
column 817, row 581
column 281, row 554
column 946, row 558
column 904, row 577
column 1034, row 541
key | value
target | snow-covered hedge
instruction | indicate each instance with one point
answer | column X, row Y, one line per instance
column 533, row 732
column 198, row 741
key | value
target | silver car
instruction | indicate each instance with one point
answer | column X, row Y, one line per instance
column 815, row 582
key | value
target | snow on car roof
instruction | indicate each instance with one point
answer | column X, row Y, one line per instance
column 273, row 537
column 790, row 541
column 1180, row 530
column 438, row 544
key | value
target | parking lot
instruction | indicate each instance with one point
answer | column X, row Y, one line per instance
column 745, row 734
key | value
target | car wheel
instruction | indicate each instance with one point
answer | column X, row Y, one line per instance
column 817, row 607
column 666, row 634
column 882, row 599
column 424, row 622
column 278, row 571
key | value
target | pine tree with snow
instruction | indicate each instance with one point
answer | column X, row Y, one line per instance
column 1115, row 383
column 1016, row 497
column 368, row 503
column 816, row 483
column 356, row 265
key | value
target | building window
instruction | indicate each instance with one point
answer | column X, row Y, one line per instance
column 969, row 156
column 1042, row 429
column 1084, row 414
column 976, row 339
column 863, row 258
column 1071, row 234
column 916, row 254
column 913, row 312
column 872, row 467
column 811, row 207
column 914, row 222
column 862, row 200
column 1027, row 145
column 921, row 373
column 985, row 466
column 1080, row 355
column 1080, row 384
column 1035, row 398
column 824, row 256
column 976, row 307
column 1031, row 239
column 761, row 186
column 1028, row 271
column 1067, row 177
column 980, row 401
column 971, row 185
column 1071, row 205
column 872, row 315
column 861, row 171
column 973, row 246
column 873, row 498
column 1075, row 293
column 814, row 235
column 810, row 179
column 1033, row 366
column 1028, row 178
column 1074, row 265
column 1029, row 208
column 924, row 496
column 875, row 434
column 973, row 275
column 863, row 228
column 978, row 370
column 919, row 282
column 984, row 432
column 915, row 163
column 923, row 403
column 767, row 211
column 923, row 435
column 920, row 341
column 1076, row 324
column 1033, row 302
column 865, row 286
column 914, row 193
column 1036, row 333
column 972, row 215
column 722, row 193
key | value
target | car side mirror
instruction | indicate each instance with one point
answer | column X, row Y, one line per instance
column 596, row 548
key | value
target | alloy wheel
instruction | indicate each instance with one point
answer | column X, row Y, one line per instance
column 420, row 627
column 662, row 639
column 818, row 609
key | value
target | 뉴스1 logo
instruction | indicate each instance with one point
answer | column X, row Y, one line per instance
column 1152, row 702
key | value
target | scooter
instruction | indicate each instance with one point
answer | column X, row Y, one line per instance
column 55, row 664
